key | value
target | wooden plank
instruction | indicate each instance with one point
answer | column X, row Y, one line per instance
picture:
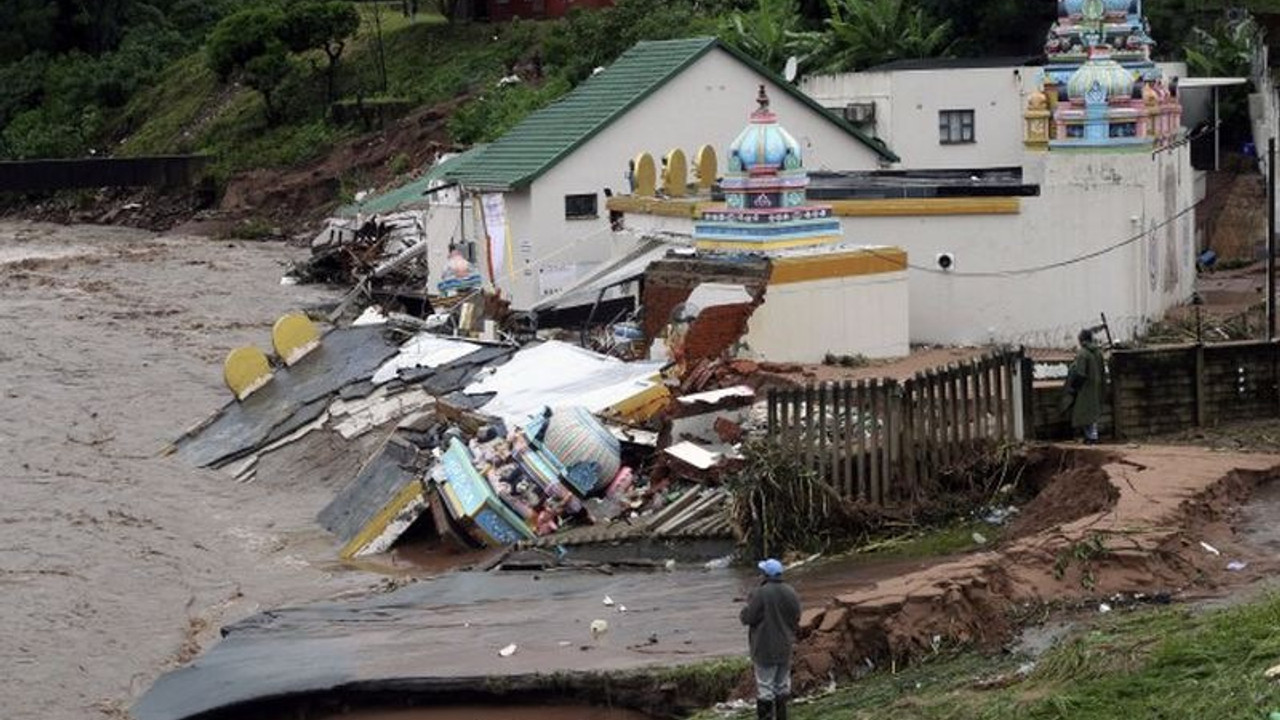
column 811, row 439
column 892, row 460
column 850, row 426
column 860, row 403
column 966, row 392
column 980, row 405
column 824, row 462
column 877, row 439
column 795, row 440
column 1010, row 412
column 997, row 401
column 907, row 440
column 957, row 409
column 930, row 407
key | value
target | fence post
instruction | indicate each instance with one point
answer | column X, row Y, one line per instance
column 864, row 485
column 772, row 425
column 909, row 441
column 1019, row 398
column 850, row 427
column 1010, row 408
column 1201, row 405
column 877, row 437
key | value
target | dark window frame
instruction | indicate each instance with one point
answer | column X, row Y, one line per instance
column 967, row 121
column 583, row 210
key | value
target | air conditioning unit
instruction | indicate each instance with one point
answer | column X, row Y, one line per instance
column 860, row 113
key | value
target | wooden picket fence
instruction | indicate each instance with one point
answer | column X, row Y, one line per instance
column 881, row 440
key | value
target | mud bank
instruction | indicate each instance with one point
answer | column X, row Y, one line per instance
column 1144, row 539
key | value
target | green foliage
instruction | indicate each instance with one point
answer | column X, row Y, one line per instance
column 1225, row 50
column 594, row 38
column 771, row 32
column 323, row 25
column 862, row 33
column 241, row 37
column 488, row 116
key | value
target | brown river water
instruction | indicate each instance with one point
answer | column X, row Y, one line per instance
column 116, row 562
column 119, row 563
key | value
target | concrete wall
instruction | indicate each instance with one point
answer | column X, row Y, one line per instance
column 1088, row 203
column 908, row 102
column 802, row 322
column 708, row 103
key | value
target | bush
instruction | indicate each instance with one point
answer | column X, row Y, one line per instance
column 487, row 117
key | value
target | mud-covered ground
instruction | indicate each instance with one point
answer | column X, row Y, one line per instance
column 117, row 563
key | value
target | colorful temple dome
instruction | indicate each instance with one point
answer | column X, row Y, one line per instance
column 764, row 144
column 766, row 207
column 1077, row 7
column 1104, row 73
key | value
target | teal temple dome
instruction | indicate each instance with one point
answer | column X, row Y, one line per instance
column 764, row 145
column 1107, row 74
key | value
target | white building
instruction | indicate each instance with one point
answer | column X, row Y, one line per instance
column 543, row 186
column 946, row 112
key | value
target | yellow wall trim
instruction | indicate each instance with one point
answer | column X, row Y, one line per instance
column 691, row 209
column 747, row 246
column 927, row 206
column 882, row 207
column 378, row 525
column 807, row 268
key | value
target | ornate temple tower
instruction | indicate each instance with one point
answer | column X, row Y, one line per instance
column 1101, row 88
column 766, row 207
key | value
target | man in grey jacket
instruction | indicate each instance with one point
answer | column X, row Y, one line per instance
column 773, row 616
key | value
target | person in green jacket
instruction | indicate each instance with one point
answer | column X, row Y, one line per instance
column 772, row 614
column 1083, row 391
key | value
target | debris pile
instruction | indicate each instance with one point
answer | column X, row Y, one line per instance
column 487, row 444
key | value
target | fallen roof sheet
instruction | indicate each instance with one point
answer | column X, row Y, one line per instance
column 344, row 357
column 630, row 266
column 556, row 374
column 423, row 350
column 354, row 515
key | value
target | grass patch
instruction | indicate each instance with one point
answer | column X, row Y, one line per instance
column 933, row 542
column 157, row 120
column 1170, row 663
column 710, row 679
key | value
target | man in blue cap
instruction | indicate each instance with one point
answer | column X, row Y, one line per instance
column 773, row 616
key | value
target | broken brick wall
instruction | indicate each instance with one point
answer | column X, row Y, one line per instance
column 669, row 282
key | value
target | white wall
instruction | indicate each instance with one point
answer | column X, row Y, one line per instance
column 802, row 322
column 708, row 103
column 1088, row 202
column 908, row 102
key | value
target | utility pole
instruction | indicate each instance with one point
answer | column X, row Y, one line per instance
column 1271, row 239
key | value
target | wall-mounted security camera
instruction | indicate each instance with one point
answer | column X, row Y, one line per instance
column 946, row 261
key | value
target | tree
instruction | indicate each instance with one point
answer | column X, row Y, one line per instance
column 247, row 44
column 324, row 26
column 861, row 33
column 770, row 32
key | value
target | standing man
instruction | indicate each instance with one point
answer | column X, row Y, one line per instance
column 1083, row 391
column 773, row 616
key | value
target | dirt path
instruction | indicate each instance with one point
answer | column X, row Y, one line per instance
column 115, row 563
column 1143, row 538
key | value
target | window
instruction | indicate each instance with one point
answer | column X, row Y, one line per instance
column 580, row 206
column 955, row 127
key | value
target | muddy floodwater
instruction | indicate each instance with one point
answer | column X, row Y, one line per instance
column 117, row 562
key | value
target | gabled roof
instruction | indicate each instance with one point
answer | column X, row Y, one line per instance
column 549, row 135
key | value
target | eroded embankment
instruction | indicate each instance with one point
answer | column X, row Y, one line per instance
column 1130, row 522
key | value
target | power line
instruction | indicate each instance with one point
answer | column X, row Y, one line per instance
column 1053, row 266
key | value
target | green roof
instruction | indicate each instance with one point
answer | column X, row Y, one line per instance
column 549, row 135
column 410, row 194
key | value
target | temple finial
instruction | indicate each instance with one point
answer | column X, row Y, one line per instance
column 763, row 99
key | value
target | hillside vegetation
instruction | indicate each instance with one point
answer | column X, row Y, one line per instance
column 274, row 83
